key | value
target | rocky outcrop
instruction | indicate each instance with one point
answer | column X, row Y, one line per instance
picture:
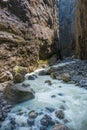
column 28, row 30
column 67, row 13
column 81, row 29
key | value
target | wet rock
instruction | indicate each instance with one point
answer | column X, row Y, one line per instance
column 50, row 109
column 60, row 127
column 63, row 101
column 32, row 77
column 25, row 85
column 12, row 121
column 60, row 114
column 47, row 121
column 55, row 75
column 83, row 83
column 65, row 121
column 51, row 70
column 1, row 116
column 30, row 122
column 43, row 128
column 48, row 82
column 43, row 72
column 53, row 96
column 76, row 78
column 17, row 93
column 62, row 107
column 66, row 77
column 60, row 94
column 20, row 112
column 32, row 114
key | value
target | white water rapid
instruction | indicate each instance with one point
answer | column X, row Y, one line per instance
column 71, row 97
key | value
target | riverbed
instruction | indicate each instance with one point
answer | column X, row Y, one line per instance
column 69, row 98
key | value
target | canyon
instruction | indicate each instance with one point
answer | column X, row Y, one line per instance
column 43, row 64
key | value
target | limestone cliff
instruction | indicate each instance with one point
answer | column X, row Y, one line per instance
column 81, row 30
column 28, row 28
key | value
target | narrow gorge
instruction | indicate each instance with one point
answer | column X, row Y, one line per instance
column 43, row 65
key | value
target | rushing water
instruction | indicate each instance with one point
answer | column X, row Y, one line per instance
column 71, row 97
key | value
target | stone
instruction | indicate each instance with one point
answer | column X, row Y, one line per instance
column 60, row 114
column 25, row 85
column 47, row 121
column 6, row 76
column 31, row 122
column 32, row 114
column 53, row 96
column 66, row 77
column 83, row 83
column 43, row 128
column 17, row 93
column 55, row 75
column 43, row 72
column 60, row 127
column 48, row 82
column 50, row 109
column 18, row 78
column 32, row 77
column 60, row 94
column 51, row 70
column 20, row 69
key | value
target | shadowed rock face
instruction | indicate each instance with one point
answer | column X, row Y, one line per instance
column 81, row 30
column 27, row 31
column 67, row 14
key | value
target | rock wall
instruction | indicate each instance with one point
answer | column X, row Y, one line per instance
column 81, row 29
column 28, row 30
column 67, row 13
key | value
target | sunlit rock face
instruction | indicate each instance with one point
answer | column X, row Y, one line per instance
column 67, row 13
column 81, row 29
column 28, row 28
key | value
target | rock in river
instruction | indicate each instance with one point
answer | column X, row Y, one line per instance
column 59, row 114
column 17, row 93
column 66, row 77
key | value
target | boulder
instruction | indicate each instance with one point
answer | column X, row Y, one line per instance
column 48, row 82
column 83, row 83
column 66, row 77
column 47, row 121
column 18, row 78
column 32, row 114
column 60, row 127
column 19, row 73
column 18, row 93
column 59, row 114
